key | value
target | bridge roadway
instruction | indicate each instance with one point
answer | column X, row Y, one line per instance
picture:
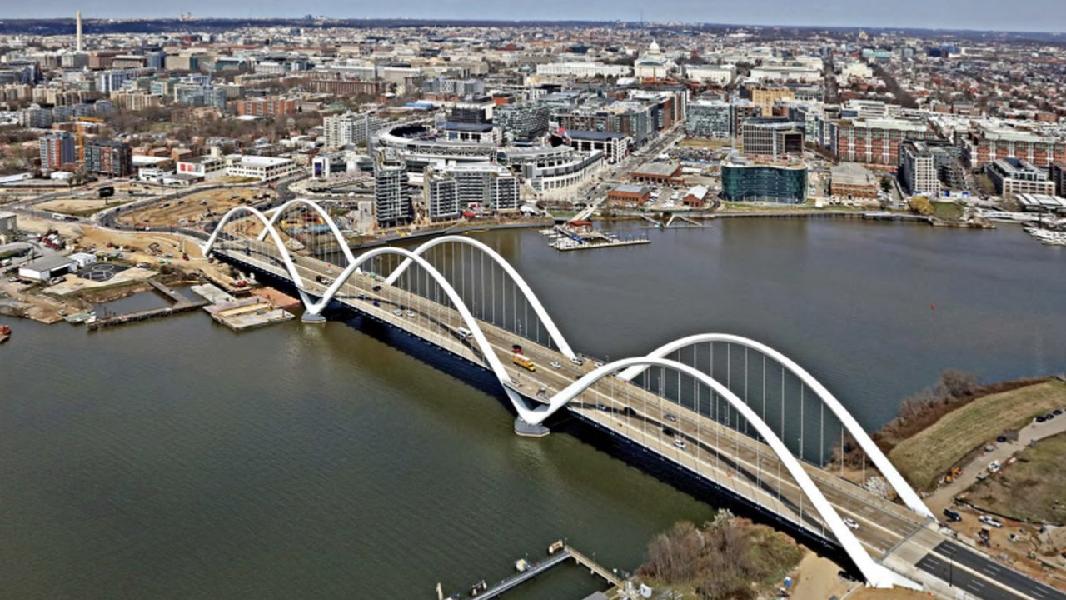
column 893, row 535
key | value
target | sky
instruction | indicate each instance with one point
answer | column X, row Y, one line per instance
column 999, row 15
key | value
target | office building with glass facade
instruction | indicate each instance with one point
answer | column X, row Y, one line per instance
column 744, row 182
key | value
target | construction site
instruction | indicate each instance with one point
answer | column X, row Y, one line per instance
column 195, row 209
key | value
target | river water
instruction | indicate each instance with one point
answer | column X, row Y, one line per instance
column 175, row 459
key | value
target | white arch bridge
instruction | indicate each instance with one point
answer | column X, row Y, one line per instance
column 720, row 409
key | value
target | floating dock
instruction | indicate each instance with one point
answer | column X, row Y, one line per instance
column 565, row 238
column 559, row 553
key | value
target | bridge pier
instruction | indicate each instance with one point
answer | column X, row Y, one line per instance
column 525, row 429
column 312, row 318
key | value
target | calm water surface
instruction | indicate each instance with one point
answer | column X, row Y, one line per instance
column 175, row 459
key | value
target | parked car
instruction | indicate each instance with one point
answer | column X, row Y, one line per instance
column 952, row 515
column 990, row 521
column 851, row 523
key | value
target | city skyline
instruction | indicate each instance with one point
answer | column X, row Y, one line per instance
column 1027, row 16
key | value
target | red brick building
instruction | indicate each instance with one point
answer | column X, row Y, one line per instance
column 875, row 142
column 987, row 144
column 265, row 107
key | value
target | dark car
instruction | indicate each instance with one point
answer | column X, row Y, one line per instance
column 1057, row 411
column 1041, row 419
column 668, row 432
column 376, row 288
column 1001, row 439
column 952, row 515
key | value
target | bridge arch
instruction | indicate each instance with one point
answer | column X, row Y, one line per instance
column 876, row 575
column 268, row 228
column 279, row 211
column 531, row 297
column 899, row 484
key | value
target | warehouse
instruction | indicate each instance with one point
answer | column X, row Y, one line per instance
column 45, row 268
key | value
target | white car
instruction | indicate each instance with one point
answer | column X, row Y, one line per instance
column 991, row 522
column 851, row 523
column 410, row 313
column 577, row 360
column 556, row 364
column 679, row 443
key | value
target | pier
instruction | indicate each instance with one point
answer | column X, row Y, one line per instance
column 180, row 304
column 558, row 554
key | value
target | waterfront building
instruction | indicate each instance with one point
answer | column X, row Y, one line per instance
column 441, row 197
column 764, row 182
column 1016, row 176
column 392, row 203
column 987, row 143
column 875, row 141
column 917, row 169
column 853, row 180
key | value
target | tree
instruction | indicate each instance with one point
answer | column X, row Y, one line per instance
column 921, row 205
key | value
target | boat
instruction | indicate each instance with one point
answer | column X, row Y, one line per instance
column 79, row 318
column 5, row 333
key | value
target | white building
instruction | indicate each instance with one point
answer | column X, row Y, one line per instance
column 263, row 168
column 349, row 128
column 653, row 64
column 720, row 75
column 584, row 69
column 917, row 170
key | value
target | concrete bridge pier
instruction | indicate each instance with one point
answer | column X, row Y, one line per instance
column 525, row 429
column 312, row 318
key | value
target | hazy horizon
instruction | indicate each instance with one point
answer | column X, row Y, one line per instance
column 985, row 15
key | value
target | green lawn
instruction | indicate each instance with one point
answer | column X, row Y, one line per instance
column 926, row 456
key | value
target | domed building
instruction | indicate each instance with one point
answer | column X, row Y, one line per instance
column 653, row 64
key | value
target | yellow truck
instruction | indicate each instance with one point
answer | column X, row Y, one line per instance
column 524, row 362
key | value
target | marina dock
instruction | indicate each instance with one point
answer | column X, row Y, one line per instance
column 558, row 553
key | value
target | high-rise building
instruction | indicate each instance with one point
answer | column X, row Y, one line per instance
column 349, row 128
column 441, row 195
column 917, row 169
column 108, row 157
column 392, row 204
column 710, row 119
column 521, row 122
column 57, row 149
column 772, row 136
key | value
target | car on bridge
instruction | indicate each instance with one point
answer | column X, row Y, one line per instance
column 524, row 362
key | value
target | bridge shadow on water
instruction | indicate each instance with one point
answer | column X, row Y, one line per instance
column 572, row 423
